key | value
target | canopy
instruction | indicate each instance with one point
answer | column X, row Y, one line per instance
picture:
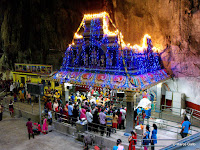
column 121, row 82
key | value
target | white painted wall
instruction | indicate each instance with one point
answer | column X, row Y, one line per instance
column 189, row 86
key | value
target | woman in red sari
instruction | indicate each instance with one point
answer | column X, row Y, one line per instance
column 132, row 141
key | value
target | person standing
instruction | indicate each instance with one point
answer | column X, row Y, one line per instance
column 154, row 137
column 44, row 126
column 23, row 92
column 29, row 127
column 114, row 121
column 123, row 111
column 70, row 112
column 95, row 121
column 119, row 146
column 29, row 97
column 89, row 117
column 82, row 112
column 49, row 117
column 119, row 114
column 75, row 114
column 102, row 117
column 55, row 108
column 185, row 127
column 11, row 88
column 146, row 138
column 132, row 141
column 72, row 98
column 1, row 112
column 109, row 119
column 11, row 108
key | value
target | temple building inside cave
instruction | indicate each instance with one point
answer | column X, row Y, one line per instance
column 100, row 57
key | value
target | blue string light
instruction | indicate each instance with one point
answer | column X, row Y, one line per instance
column 98, row 53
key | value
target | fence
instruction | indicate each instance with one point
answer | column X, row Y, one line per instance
column 88, row 127
column 32, row 108
column 98, row 128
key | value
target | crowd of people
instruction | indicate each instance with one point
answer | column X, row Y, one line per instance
column 146, row 141
column 102, row 115
column 98, row 117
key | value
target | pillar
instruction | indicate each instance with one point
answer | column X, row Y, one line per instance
column 159, row 96
column 129, row 111
column 67, row 95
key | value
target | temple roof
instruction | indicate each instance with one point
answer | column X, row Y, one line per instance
column 98, row 57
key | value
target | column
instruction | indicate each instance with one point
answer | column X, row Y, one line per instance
column 130, row 111
column 159, row 97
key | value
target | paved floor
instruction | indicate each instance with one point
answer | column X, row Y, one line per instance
column 13, row 136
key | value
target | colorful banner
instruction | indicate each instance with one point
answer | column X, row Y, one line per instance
column 121, row 82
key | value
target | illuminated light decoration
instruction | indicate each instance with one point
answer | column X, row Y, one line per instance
column 77, row 36
column 98, row 57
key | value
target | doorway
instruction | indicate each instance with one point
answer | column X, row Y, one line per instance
column 22, row 80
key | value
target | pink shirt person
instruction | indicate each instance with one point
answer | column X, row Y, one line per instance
column 45, row 125
column 83, row 113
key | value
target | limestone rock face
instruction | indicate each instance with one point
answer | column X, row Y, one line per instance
column 37, row 29
column 173, row 25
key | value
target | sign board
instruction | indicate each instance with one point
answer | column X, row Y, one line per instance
column 34, row 68
column 67, row 86
column 168, row 95
column 36, row 89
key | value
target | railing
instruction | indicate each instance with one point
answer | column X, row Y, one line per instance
column 20, row 106
column 98, row 128
column 187, row 143
column 194, row 113
column 137, row 145
column 88, row 127
column 191, row 113
column 177, row 129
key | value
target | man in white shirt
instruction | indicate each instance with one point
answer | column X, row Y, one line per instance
column 11, row 89
column 50, row 117
column 123, row 111
column 89, row 117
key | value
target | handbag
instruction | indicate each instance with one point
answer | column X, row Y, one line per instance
column 145, row 141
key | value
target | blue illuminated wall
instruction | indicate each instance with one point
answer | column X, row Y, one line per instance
column 98, row 53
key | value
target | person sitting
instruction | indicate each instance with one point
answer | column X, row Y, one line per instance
column 37, row 130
